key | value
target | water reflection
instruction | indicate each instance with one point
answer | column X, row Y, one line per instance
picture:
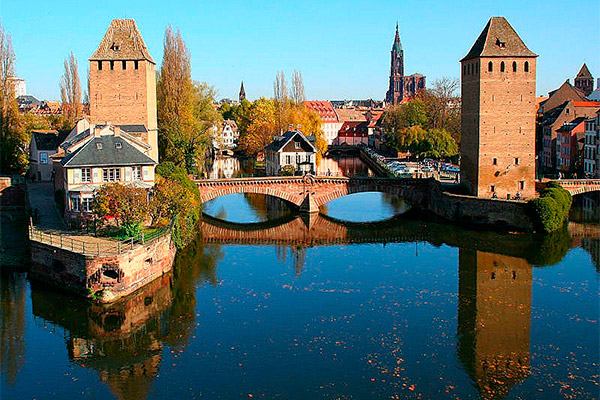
column 378, row 310
column 494, row 314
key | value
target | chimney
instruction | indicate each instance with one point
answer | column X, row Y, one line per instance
column 298, row 127
column 117, row 130
column 95, row 131
column 290, row 127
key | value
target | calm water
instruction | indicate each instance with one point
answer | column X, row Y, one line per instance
column 321, row 308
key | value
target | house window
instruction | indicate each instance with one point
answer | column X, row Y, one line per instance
column 44, row 158
column 86, row 175
column 111, row 174
column 526, row 66
column 86, row 204
column 296, row 145
column 75, row 203
column 136, row 173
column 490, row 66
column 495, row 161
column 288, row 159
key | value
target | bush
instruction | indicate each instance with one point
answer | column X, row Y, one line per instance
column 551, row 209
column 288, row 170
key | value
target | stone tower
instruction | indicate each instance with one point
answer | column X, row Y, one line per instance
column 123, row 82
column 394, row 93
column 242, row 95
column 498, row 114
column 584, row 80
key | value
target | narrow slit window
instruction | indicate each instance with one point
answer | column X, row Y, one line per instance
column 99, row 65
column 526, row 66
column 490, row 66
column 124, row 64
column 502, row 66
column 112, row 65
column 514, row 66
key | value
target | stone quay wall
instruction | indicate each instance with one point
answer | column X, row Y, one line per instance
column 104, row 277
column 478, row 211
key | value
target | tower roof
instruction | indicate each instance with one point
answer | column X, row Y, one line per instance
column 498, row 39
column 397, row 44
column 584, row 72
column 122, row 41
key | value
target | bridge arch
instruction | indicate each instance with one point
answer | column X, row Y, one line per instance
column 309, row 192
column 578, row 186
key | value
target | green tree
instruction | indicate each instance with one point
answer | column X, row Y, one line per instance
column 128, row 205
column 438, row 143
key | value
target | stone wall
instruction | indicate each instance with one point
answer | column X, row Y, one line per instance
column 470, row 210
column 109, row 277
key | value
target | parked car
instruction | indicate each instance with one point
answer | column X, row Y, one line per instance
column 427, row 168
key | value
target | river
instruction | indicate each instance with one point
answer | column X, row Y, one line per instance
column 368, row 300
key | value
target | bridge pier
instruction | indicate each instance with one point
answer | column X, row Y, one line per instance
column 309, row 204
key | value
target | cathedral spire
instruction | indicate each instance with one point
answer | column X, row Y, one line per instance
column 397, row 44
column 242, row 95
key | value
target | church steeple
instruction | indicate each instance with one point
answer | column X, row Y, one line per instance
column 397, row 43
column 242, row 95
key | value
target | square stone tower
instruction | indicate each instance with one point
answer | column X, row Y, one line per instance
column 123, row 82
column 498, row 114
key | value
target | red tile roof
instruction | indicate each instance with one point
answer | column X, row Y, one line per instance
column 586, row 103
column 324, row 109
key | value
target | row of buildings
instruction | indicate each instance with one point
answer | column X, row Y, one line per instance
column 567, row 129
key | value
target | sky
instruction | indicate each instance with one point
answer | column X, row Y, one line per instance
column 342, row 48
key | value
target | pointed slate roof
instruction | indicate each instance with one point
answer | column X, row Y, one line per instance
column 122, row 41
column 584, row 72
column 499, row 39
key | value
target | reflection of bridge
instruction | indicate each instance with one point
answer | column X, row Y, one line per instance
column 319, row 230
column 577, row 186
column 311, row 192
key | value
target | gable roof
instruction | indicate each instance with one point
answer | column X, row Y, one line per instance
column 122, row 41
column 104, row 151
column 498, row 39
column 279, row 142
column 323, row 108
column 584, row 72
column 48, row 140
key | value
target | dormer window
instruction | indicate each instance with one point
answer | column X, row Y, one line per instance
column 500, row 44
column 118, row 145
column 99, row 146
column 115, row 46
column 297, row 145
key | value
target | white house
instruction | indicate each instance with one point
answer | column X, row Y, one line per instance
column 292, row 148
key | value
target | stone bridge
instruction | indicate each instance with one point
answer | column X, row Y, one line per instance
column 576, row 186
column 309, row 192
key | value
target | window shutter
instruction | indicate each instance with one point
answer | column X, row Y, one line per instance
column 145, row 173
column 77, row 175
column 95, row 179
column 127, row 173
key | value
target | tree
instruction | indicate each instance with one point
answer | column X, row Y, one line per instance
column 443, row 106
column 13, row 138
column 281, row 98
column 128, row 205
column 185, row 112
column 297, row 90
column 438, row 143
column 262, row 126
column 70, row 90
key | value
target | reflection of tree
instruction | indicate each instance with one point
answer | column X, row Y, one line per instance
column 299, row 254
column 267, row 207
column 12, row 324
column 494, row 314
column 398, row 204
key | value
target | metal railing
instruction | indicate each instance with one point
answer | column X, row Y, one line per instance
column 93, row 246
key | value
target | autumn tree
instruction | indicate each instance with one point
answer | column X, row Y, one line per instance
column 442, row 103
column 262, row 126
column 185, row 112
column 128, row 205
column 14, row 139
column 70, row 90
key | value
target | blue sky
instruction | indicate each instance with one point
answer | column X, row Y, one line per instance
column 342, row 48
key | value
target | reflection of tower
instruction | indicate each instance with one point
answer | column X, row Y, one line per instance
column 299, row 254
column 122, row 341
column 12, row 324
column 494, row 312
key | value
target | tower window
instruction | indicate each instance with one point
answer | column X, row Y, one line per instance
column 490, row 66
column 135, row 64
column 99, row 65
column 492, row 188
column 517, row 161
column 500, row 44
column 124, row 64
column 526, row 66
column 494, row 162
column 464, row 70
column 112, row 65
column 502, row 66
column 514, row 66
column 521, row 185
